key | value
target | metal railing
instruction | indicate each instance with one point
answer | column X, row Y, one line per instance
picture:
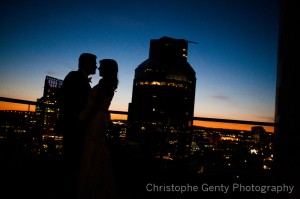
column 27, row 102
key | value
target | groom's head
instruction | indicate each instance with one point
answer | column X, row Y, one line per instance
column 88, row 63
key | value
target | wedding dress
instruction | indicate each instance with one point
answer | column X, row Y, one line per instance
column 96, row 178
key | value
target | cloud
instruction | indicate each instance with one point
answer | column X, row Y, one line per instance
column 50, row 73
column 221, row 97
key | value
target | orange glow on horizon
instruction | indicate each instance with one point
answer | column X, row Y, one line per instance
column 247, row 127
column 15, row 107
column 118, row 117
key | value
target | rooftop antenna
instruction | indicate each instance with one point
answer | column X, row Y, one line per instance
column 191, row 42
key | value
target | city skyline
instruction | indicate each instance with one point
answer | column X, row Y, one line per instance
column 235, row 59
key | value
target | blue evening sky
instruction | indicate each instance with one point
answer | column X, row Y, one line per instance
column 235, row 59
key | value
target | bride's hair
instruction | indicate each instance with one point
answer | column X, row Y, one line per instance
column 109, row 71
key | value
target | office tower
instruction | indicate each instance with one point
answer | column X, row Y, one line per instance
column 162, row 108
column 47, row 108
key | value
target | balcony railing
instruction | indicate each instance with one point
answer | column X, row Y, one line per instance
column 29, row 103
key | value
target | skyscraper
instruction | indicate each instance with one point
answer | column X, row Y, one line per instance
column 162, row 108
column 47, row 109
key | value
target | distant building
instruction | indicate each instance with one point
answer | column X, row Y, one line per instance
column 16, row 123
column 47, row 109
column 162, row 108
column 259, row 133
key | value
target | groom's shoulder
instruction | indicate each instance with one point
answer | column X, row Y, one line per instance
column 72, row 75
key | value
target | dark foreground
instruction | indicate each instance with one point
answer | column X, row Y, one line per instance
column 137, row 177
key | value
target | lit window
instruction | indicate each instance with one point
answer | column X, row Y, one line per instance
column 155, row 83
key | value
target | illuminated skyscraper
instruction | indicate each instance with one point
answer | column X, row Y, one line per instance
column 162, row 107
column 47, row 110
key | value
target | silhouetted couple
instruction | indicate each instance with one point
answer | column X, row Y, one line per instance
column 85, row 117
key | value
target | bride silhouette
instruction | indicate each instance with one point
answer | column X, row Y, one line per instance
column 95, row 179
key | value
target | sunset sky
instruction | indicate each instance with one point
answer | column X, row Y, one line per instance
column 235, row 59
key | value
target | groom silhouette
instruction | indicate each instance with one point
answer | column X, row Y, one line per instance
column 74, row 96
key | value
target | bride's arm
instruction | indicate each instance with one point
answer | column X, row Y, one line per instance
column 104, row 96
